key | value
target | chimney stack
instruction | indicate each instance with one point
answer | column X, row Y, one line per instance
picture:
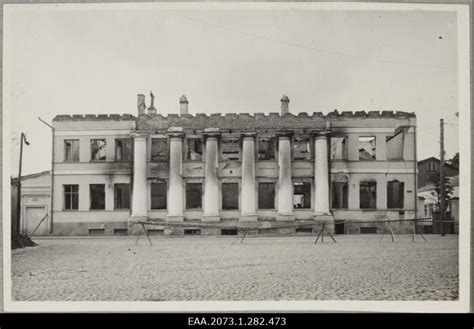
column 183, row 105
column 285, row 101
column 141, row 104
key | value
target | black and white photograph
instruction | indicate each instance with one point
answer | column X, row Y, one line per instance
column 245, row 156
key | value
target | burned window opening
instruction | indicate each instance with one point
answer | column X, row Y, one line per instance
column 266, row 195
column 368, row 194
column 194, row 149
column 230, row 149
column 340, row 193
column 71, row 150
column 159, row 149
column 266, row 148
column 98, row 149
column 339, row 148
column 394, row 145
column 193, row 195
column 122, row 196
column 97, row 196
column 230, row 196
column 301, row 148
column 367, row 148
column 123, row 149
column 395, row 194
column 302, row 195
column 158, row 196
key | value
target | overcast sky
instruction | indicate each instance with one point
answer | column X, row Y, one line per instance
column 88, row 61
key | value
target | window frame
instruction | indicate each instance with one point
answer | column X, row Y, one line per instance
column 186, row 195
column 91, row 198
column 303, row 182
column 70, row 194
column 92, row 147
column 375, row 195
column 115, row 196
column 274, row 138
column 165, row 183
column 274, row 194
column 375, row 149
column 129, row 140
column 310, row 147
column 78, row 150
column 222, row 196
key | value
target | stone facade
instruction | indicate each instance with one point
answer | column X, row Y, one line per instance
column 113, row 170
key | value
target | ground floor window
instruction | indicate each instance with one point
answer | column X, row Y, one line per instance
column 368, row 194
column 122, row 196
column 71, row 197
column 266, row 195
column 395, row 194
column 158, row 195
column 340, row 195
column 230, row 196
column 97, row 196
column 193, row 195
column 302, row 195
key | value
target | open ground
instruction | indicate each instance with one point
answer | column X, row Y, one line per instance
column 358, row 267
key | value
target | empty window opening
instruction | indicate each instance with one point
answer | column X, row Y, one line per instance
column 266, row 148
column 123, row 149
column 229, row 231
column 266, row 195
column 302, row 195
column 96, row 231
column 367, row 148
column 304, row 230
column 71, row 150
column 301, row 148
column 122, row 196
column 192, row 231
column 159, row 149
column 339, row 228
column 368, row 230
column 97, row 196
column 120, row 231
column 193, row 195
column 71, row 197
column 98, row 149
column 395, row 146
column 339, row 148
column 158, row 195
column 395, row 194
column 194, row 149
column 230, row 196
column 230, row 149
column 368, row 194
column 340, row 192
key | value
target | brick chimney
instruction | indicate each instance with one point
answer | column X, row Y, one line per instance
column 141, row 104
column 183, row 105
column 285, row 101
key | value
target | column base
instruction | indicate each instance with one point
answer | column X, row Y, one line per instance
column 210, row 218
column 175, row 218
column 248, row 218
column 285, row 217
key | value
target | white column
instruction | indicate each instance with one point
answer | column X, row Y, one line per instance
column 176, row 190
column 139, row 192
column 285, row 187
column 211, row 183
column 321, row 181
column 248, row 193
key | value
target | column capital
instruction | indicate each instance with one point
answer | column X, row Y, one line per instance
column 285, row 133
column 175, row 132
column 211, row 133
column 140, row 134
column 320, row 134
column 249, row 134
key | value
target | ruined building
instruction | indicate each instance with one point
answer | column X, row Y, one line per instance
column 111, row 170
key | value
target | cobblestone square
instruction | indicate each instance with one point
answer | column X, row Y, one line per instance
column 358, row 267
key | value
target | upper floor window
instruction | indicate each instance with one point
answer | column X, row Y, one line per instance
column 98, row 149
column 302, row 148
column 230, row 149
column 71, row 150
column 159, row 149
column 338, row 148
column 123, row 149
column 395, row 146
column 266, row 148
column 194, row 149
column 367, row 148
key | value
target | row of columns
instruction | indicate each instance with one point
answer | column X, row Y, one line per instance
column 211, row 183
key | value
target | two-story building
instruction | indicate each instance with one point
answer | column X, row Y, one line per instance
column 112, row 170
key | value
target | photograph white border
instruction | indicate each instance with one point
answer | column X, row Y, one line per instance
column 462, row 305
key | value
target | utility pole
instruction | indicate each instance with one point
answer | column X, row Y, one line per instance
column 18, row 201
column 441, row 176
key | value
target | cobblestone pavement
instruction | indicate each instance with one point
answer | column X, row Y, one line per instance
column 358, row 267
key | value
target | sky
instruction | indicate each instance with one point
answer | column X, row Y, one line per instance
column 97, row 61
